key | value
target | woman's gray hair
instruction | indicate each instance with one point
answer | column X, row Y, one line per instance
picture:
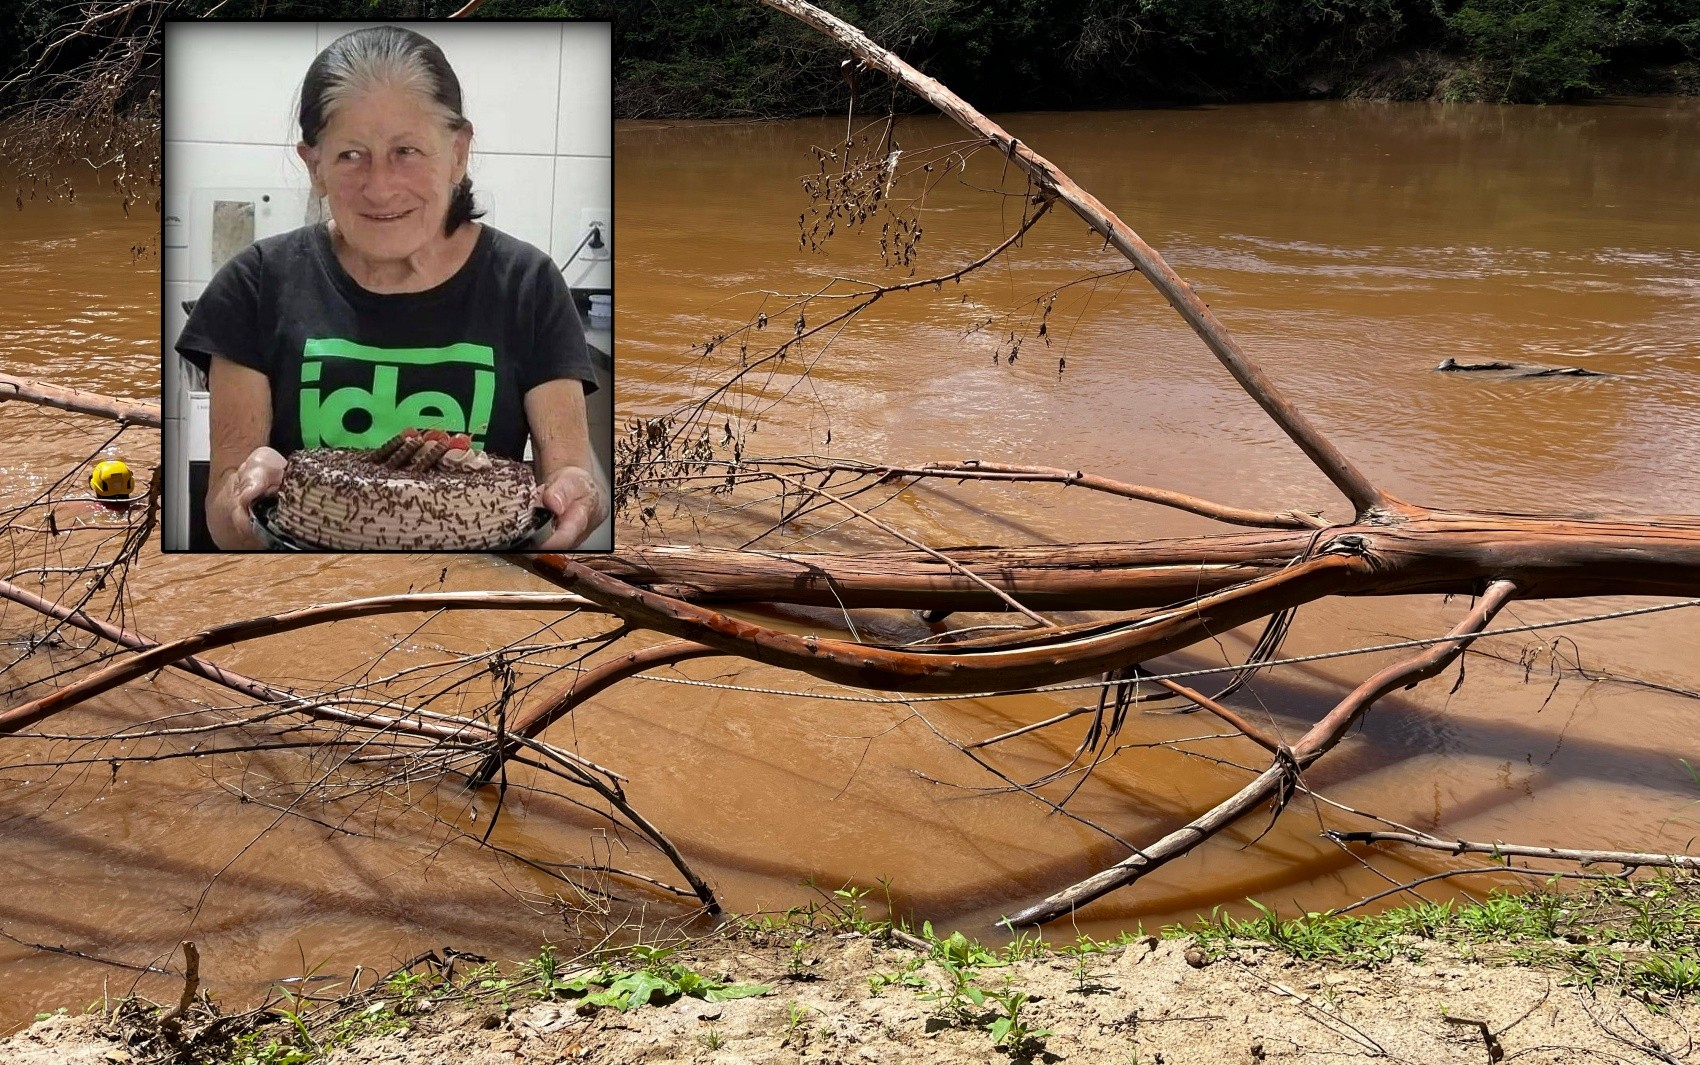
column 386, row 56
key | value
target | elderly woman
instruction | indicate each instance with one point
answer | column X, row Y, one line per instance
column 402, row 311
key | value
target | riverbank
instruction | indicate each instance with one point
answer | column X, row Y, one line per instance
column 1606, row 973
column 1419, row 75
column 680, row 61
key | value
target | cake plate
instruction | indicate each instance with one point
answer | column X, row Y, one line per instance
column 275, row 539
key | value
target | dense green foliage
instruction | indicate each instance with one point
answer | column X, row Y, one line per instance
column 1548, row 49
column 684, row 58
column 692, row 57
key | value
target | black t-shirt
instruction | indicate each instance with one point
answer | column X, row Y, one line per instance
column 351, row 368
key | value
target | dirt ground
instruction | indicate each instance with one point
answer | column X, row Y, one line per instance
column 1146, row 1003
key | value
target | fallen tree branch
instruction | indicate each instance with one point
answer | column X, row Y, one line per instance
column 1410, row 886
column 417, row 722
column 1027, row 660
column 1272, row 782
column 127, row 411
column 585, row 686
column 974, row 469
column 164, row 654
column 200, row 667
column 1431, row 552
column 1514, row 850
column 1051, row 181
column 171, row 1021
column 958, row 567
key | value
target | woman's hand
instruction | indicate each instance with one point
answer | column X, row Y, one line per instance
column 243, row 467
column 579, row 502
column 259, row 476
column 569, row 477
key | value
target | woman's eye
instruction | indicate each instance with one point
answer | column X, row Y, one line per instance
column 407, row 150
column 350, row 156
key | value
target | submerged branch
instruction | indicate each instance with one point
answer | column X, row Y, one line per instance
column 129, row 411
column 1632, row 859
column 585, row 686
column 976, row 470
column 1029, row 659
column 1276, row 781
column 164, row 654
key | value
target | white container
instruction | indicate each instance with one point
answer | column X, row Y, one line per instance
column 602, row 311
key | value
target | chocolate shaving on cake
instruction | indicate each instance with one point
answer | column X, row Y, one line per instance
column 382, row 454
column 426, row 457
column 403, row 454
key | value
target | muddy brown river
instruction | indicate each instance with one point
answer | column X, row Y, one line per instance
column 1350, row 247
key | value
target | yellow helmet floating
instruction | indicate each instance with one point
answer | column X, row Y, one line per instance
column 112, row 480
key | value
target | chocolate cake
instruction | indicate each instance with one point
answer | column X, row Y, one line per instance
column 419, row 492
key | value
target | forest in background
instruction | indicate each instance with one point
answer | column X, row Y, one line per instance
column 721, row 59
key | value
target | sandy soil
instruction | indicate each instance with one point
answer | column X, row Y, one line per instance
column 1146, row 1003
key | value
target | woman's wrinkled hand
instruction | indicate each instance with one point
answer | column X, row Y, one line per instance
column 260, row 475
column 579, row 502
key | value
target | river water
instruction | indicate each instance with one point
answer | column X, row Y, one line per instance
column 1350, row 247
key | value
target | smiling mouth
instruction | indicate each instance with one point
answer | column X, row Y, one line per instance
column 386, row 217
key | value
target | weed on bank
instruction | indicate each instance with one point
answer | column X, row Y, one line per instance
column 1641, row 936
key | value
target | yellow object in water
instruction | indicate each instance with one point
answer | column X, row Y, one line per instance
column 112, row 480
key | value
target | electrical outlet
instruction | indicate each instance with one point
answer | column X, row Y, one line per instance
column 603, row 219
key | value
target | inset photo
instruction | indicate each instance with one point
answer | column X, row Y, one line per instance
column 387, row 273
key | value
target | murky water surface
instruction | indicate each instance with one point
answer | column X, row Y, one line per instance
column 1350, row 247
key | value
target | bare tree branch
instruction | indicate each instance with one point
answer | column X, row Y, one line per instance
column 1357, row 488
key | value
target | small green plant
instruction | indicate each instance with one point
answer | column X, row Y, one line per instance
column 1497, row 917
column 485, row 971
column 959, row 949
column 659, row 979
column 850, row 902
column 294, row 1015
column 908, row 976
column 1315, row 935
column 502, row 987
column 957, row 993
column 795, row 1014
column 248, row 1050
column 711, row 1038
column 849, row 913
column 1671, row 973
column 376, row 1019
column 1639, row 934
column 296, row 1048
column 408, row 987
column 1008, row 1029
column 960, row 958
column 1085, row 980
column 545, row 970
column 797, row 967
column 1024, row 946
column 1423, row 919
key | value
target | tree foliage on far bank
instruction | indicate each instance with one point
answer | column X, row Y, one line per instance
column 688, row 58
column 730, row 58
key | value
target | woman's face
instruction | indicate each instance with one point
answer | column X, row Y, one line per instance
column 388, row 165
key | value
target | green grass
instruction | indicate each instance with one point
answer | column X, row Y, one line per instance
column 299, row 1031
column 1642, row 934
